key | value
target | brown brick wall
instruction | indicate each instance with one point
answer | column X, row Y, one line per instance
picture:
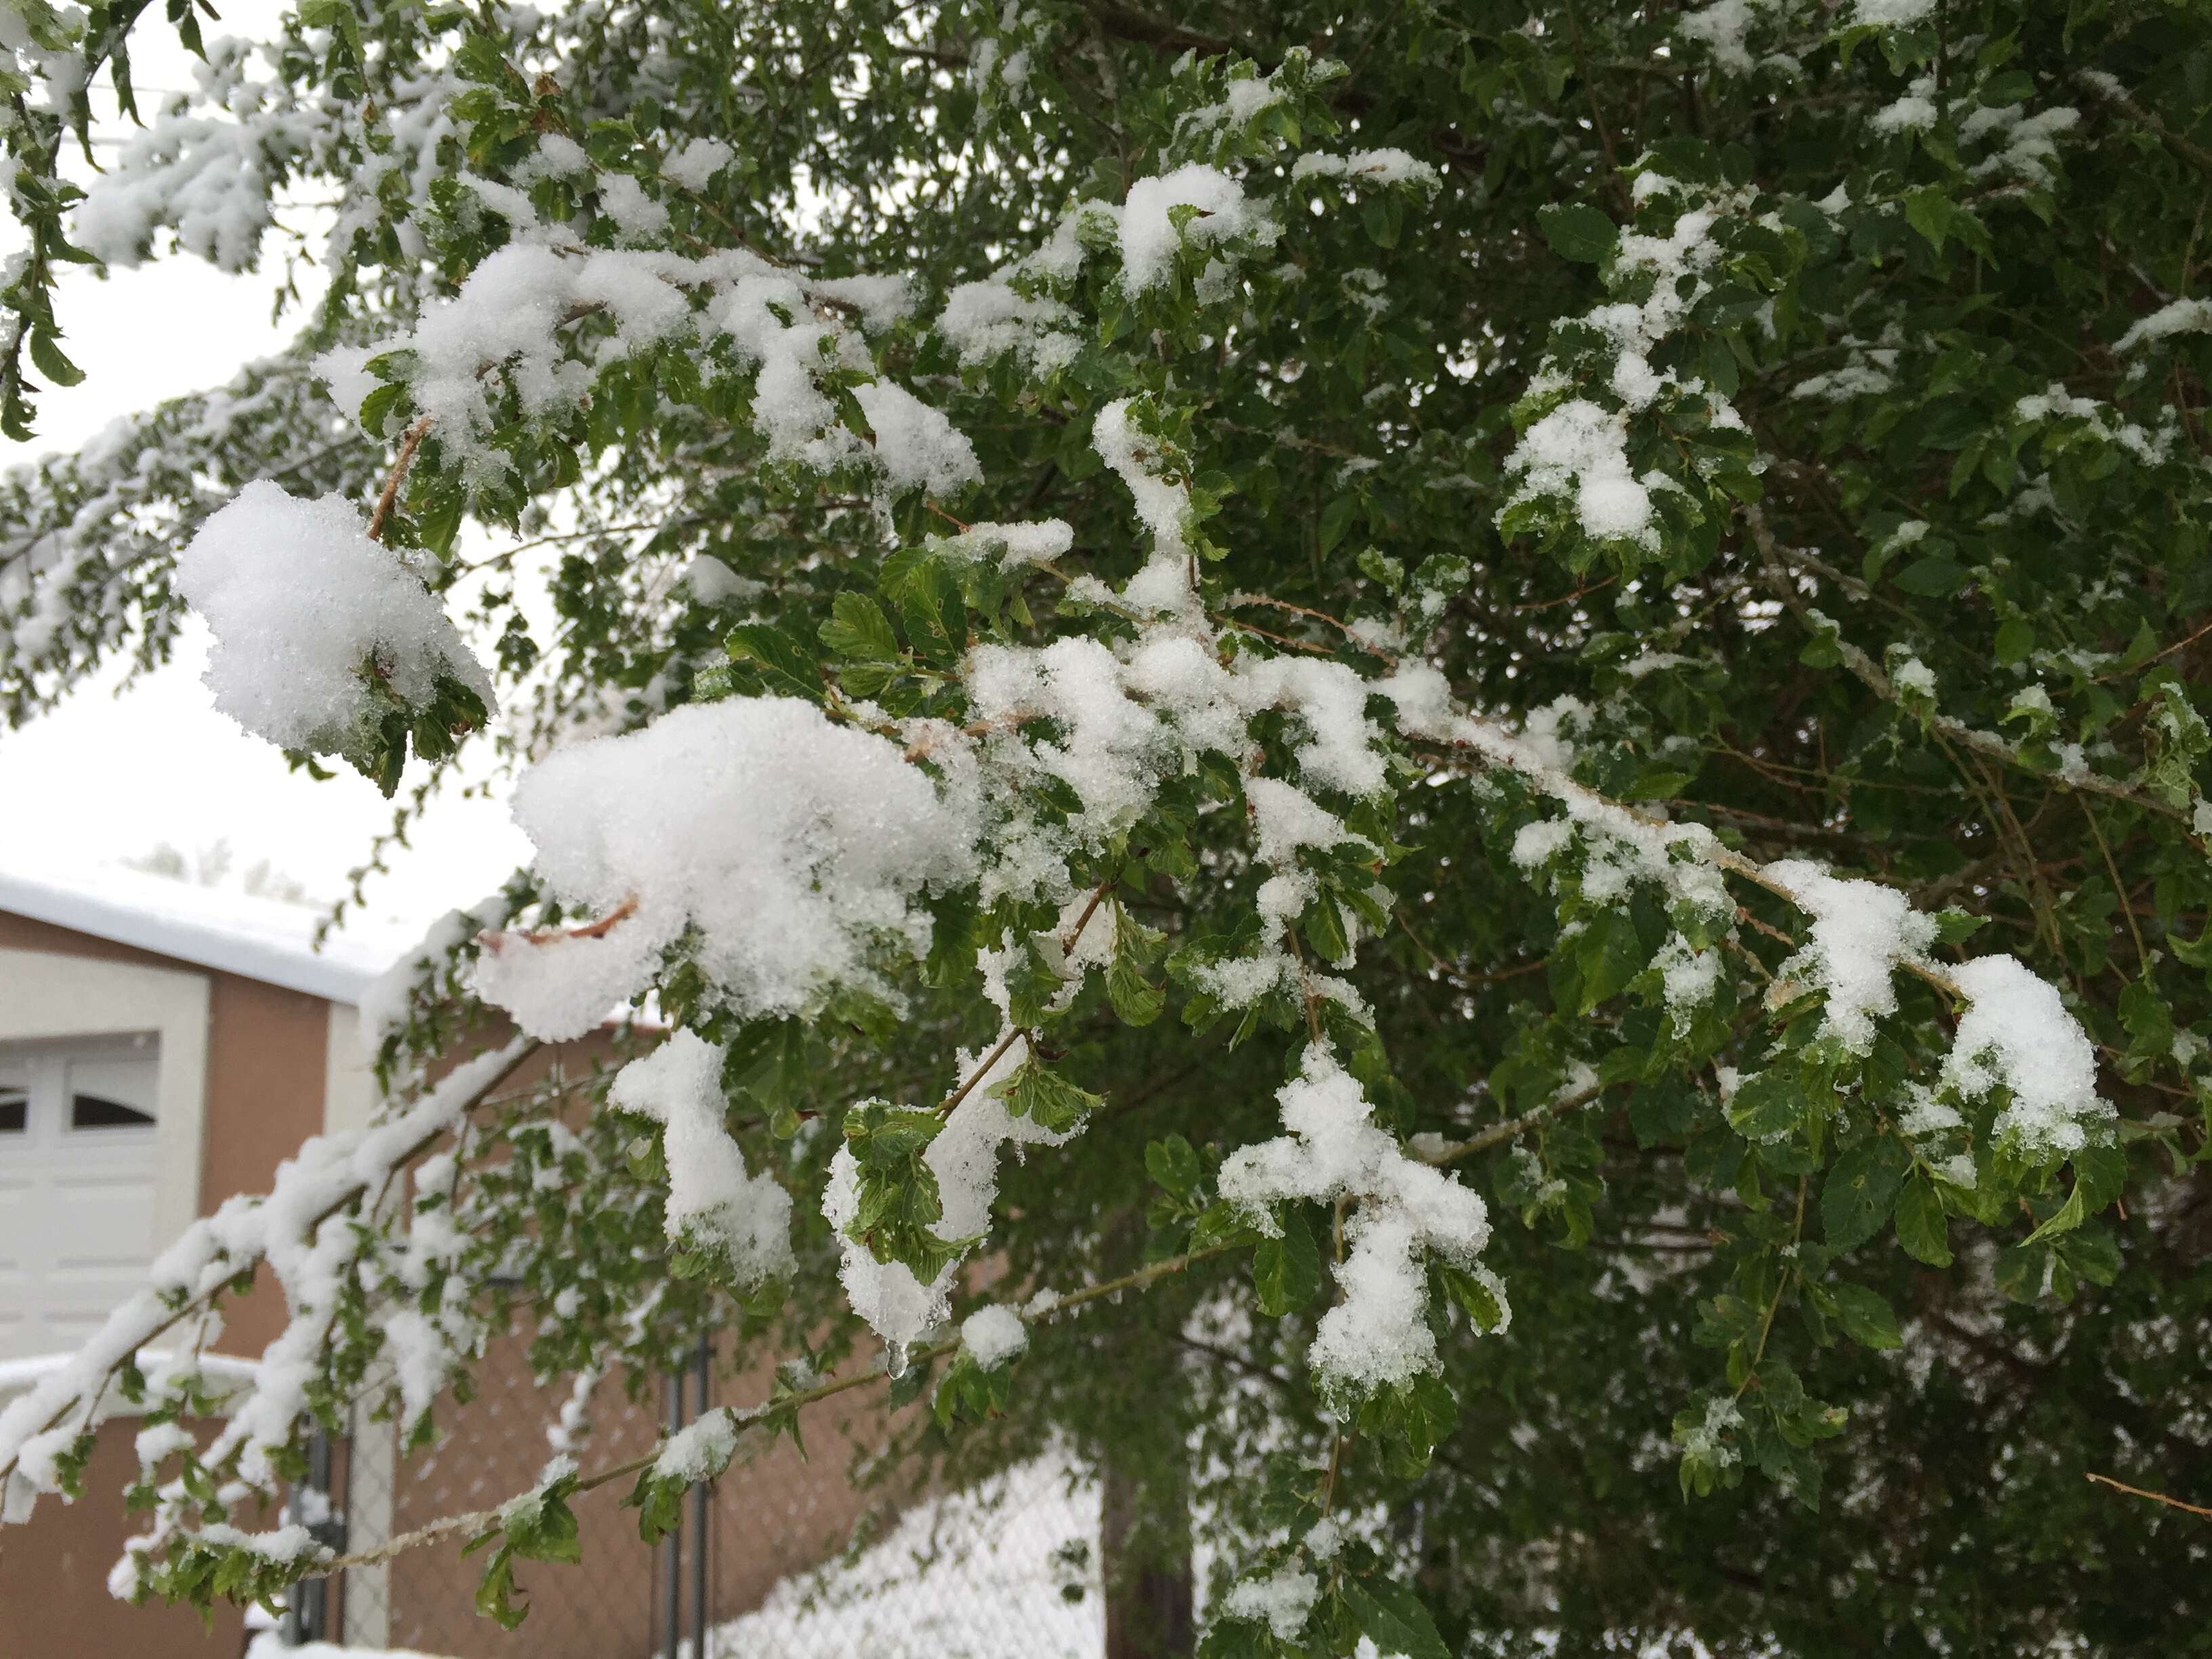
column 53, row 1578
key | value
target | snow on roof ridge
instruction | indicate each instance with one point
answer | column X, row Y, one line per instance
column 255, row 938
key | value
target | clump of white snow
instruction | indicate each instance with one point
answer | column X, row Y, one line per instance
column 1374, row 167
column 786, row 850
column 1861, row 933
column 713, row 1203
column 306, row 612
column 694, row 165
column 1282, row 1600
column 1377, row 1333
column 2016, row 1032
column 915, row 445
column 994, row 1335
column 1148, row 232
column 1890, row 14
column 2175, row 317
column 700, row 1450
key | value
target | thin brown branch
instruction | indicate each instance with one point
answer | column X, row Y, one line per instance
column 410, row 442
column 1989, row 743
column 605, row 925
column 1498, row 1133
column 484, row 1520
column 2154, row 1497
column 1018, row 1034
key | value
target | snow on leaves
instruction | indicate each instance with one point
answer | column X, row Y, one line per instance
column 1165, row 735
column 739, row 1221
column 324, row 642
column 1377, row 1334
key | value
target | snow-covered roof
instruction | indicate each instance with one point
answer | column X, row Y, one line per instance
column 257, row 939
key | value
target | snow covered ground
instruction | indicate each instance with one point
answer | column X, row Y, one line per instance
column 987, row 1574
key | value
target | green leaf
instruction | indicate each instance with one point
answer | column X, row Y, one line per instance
column 1336, row 518
column 2064, row 1219
column 1929, row 211
column 1861, row 1188
column 1956, row 927
column 495, row 1597
column 339, row 18
column 1611, row 952
column 2015, row 640
column 1136, row 1000
column 1286, row 1270
column 782, row 663
column 1577, row 231
column 935, row 616
column 1173, row 1163
column 1392, row 1617
column 1047, row 1100
column 1384, row 216
column 1932, row 578
column 46, row 354
column 2101, row 1174
column 1770, row 1104
column 1921, row 1227
column 1475, row 1296
column 1865, row 1318
column 859, row 629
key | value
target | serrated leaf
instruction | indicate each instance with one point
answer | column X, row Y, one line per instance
column 2015, row 641
column 1577, row 231
column 1921, row 1227
column 1932, row 577
column 1286, row 1270
column 1136, row 1000
column 1864, row 1316
column 1047, row 1099
column 859, row 629
column 1336, row 518
column 1862, row 1188
column 2064, row 1219
column 1392, row 1617
column 935, row 616
column 782, row 662
column 1767, row 1105
column 1173, row 1162
column 1956, row 927
column 1928, row 211
column 46, row 354
column 1475, row 1297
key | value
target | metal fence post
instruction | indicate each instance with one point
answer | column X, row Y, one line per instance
column 307, row 1604
column 703, row 1380
column 671, row 1583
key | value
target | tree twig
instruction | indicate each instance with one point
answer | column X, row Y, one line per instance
column 2154, row 1497
column 410, row 442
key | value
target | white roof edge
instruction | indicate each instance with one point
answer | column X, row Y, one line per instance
column 272, row 956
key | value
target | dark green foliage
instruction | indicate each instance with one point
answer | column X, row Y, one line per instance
column 1805, row 1354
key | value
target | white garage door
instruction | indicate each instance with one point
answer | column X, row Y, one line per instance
column 77, row 1186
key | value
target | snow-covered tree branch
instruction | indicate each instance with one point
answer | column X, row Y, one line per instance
column 1510, row 702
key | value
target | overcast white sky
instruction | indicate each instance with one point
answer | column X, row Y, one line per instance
column 108, row 776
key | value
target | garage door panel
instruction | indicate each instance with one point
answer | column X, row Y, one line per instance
column 76, row 1205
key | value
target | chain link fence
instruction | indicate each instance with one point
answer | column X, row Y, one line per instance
column 785, row 1558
